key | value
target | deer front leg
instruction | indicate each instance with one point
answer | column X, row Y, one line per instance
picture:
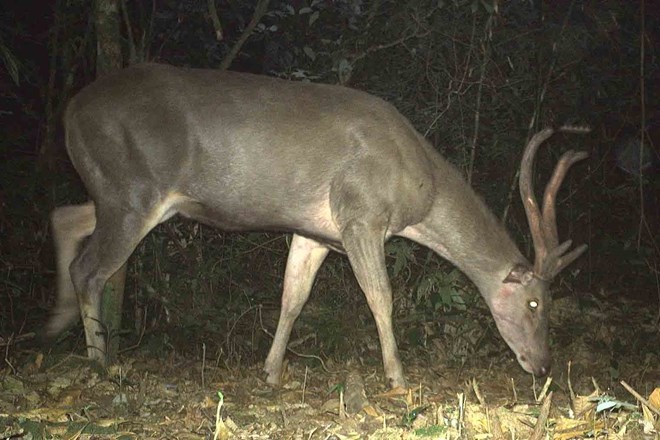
column 365, row 247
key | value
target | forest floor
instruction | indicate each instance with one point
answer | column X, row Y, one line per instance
column 45, row 393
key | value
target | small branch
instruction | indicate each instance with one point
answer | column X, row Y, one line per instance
column 477, row 112
column 46, row 154
column 302, row 355
column 536, row 116
column 132, row 53
column 259, row 12
column 639, row 397
column 396, row 42
column 373, row 10
column 539, row 429
column 657, row 287
column 217, row 25
column 16, row 339
column 642, row 134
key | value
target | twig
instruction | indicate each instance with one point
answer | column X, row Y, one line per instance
column 132, row 57
column 233, row 326
column 537, row 107
column 477, row 113
column 304, row 388
column 396, row 42
column 66, row 359
column 217, row 25
column 539, row 429
column 544, row 390
column 48, row 140
column 142, row 332
column 654, row 269
column 15, row 339
column 461, row 413
column 477, row 392
column 513, row 389
column 259, row 12
column 640, row 398
column 642, row 116
column 570, row 385
column 7, row 361
column 203, row 364
column 308, row 356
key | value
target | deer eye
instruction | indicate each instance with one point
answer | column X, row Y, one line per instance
column 533, row 305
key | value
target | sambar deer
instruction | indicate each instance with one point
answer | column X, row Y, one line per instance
column 338, row 168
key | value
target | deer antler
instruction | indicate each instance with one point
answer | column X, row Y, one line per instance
column 550, row 256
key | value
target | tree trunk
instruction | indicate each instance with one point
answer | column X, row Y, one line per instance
column 109, row 59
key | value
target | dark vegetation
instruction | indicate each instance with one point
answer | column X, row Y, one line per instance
column 476, row 78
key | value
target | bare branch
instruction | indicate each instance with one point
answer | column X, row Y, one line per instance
column 259, row 12
column 215, row 19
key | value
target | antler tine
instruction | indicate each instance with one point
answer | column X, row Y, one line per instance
column 556, row 261
column 529, row 199
column 549, row 197
column 567, row 259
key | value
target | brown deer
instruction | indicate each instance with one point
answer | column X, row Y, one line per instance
column 338, row 168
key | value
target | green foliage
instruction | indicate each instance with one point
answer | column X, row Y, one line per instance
column 431, row 431
column 412, row 415
column 440, row 291
column 403, row 254
column 203, row 283
column 11, row 63
column 436, row 287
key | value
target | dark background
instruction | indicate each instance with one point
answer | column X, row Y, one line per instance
column 518, row 65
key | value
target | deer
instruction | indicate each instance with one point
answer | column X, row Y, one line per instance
column 337, row 168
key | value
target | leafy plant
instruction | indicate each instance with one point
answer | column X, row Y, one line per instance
column 440, row 291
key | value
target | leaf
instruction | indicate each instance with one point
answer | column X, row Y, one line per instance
column 313, row 17
column 606, row 403
column 422, row 290
column 289, row 9
column 402, row 253
column 11, row 62
column 488, row 7
column 309, row 52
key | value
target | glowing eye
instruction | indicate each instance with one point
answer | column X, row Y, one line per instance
column 533, row 305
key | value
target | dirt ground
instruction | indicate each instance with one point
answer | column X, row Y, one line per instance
column 598, row 344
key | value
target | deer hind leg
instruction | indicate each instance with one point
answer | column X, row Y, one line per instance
column 116, row 234
column 305, row 258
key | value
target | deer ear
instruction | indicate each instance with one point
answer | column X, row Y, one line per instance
column 520, row 274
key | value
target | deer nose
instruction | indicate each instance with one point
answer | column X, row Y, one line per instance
column 544, row 369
